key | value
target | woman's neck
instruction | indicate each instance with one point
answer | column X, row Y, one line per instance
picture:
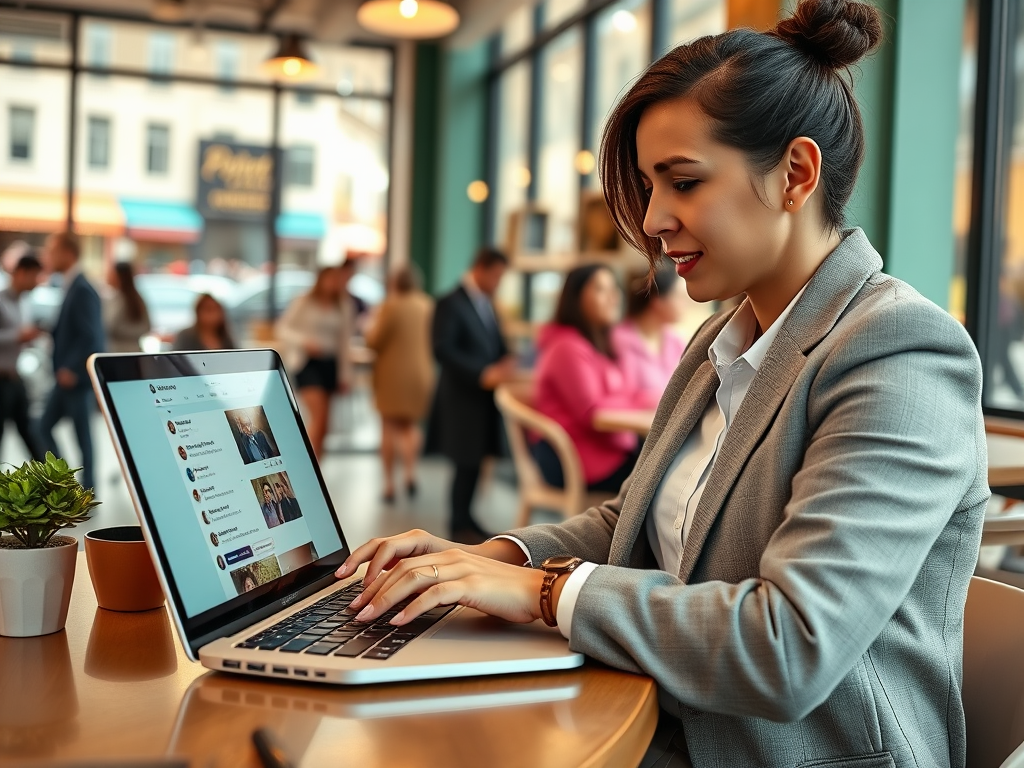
column 770, row 297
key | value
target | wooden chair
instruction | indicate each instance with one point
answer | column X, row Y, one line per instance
column 514, row 401
column 993, row 683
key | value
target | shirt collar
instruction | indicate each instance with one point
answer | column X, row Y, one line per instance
column 473, row 289
column 736, row 340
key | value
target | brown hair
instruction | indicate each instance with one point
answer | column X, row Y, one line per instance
column 227, row 342
column 406, row 279
column 569, row 311
column 134, row 305
column 489, row 257
column 643, row 289
column 761, row 91
column 69, row 242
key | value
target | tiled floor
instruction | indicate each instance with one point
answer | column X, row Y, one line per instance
column 351, row 470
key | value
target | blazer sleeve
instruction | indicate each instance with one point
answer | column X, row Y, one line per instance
column 447, row 348
column 895, row 441
column 85, row 334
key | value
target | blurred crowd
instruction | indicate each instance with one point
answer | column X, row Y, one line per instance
column 438, row 364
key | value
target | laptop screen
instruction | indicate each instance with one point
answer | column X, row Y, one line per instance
column 230, row 489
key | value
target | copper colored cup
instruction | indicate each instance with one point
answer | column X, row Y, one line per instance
column 121, row 569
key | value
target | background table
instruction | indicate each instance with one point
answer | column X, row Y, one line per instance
column 117, row 685
column 638, row 421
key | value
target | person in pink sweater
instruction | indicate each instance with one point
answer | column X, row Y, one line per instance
column 645, row 342
column 578, row 373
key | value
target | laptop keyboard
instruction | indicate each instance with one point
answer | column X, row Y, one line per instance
column 328, row 628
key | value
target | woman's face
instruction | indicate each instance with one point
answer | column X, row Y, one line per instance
column 329, row 286
column 209, row 314
column 704, row 206
column 601, row 300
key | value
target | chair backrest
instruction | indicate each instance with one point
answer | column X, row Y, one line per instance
column 515, row 403
column 993, row 685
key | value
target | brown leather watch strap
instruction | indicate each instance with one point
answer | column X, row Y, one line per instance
column 546, row 588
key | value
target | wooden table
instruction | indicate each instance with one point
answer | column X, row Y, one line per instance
column 116, row 686
column 638, row 421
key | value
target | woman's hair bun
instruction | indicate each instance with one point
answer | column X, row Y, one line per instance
column 837, row 33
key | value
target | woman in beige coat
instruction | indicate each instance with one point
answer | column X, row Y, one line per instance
column 403, row 374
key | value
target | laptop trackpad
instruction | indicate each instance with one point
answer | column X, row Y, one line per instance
column 478, row 627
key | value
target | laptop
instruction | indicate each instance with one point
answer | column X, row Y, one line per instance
column 246, row 540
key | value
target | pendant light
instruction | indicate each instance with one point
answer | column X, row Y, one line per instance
column 413, row 19
column 291, row 62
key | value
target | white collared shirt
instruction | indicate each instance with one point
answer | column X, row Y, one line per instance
column 68, row 277
column 736, row 357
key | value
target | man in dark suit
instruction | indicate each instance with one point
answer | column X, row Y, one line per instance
column 474, row 361
column 252, row 442
column 77, row 334
column 289, row 506
column 270, row 507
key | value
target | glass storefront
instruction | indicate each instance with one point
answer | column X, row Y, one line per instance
column 178, row 176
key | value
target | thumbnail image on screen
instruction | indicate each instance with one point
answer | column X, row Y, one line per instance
column 252, row 433
column 250, row 576
column 277, row 499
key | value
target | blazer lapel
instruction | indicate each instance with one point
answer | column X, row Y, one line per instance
column 486, row 336
column 829, row 292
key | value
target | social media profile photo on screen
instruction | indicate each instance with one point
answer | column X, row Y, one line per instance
column 195, row 494
column 182, row 453
column 253, row 437
column 152, row 389
column 171, row 428
column 221, row 564
column 191, row 474
column 215, row 539
column 206, row 517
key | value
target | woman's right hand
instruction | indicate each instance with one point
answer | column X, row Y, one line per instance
column 384, row 554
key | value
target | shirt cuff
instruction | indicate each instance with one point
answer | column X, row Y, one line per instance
column 518, row 543
column 570, row 593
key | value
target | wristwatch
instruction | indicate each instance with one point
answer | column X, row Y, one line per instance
column 554, row 567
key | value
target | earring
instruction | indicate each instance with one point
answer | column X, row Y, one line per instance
column 790, row 202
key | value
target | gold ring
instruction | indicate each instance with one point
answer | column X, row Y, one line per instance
column 436, row 574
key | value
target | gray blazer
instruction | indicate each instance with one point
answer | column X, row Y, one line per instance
column 817, row 618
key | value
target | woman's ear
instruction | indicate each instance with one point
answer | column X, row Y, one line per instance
column 800, row 170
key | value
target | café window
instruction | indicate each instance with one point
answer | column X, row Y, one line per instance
column 99, row 142
column 298, row 166
column 158, row 140
column 22, row 125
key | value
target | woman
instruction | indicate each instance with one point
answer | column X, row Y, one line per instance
column 403, row 374
column 316, row 330
column 210, row 330
column 790, row 558
column 578, row 374
column 125, row 317
column 645, row 342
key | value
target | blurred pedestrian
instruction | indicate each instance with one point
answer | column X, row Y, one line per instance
column 210, row 330
column 316, row 330
column 77, row 334
column 578, row 374
column 125, row 316
column 403, row 374
column 474, row 361
column 14, row 334
column 646, row 342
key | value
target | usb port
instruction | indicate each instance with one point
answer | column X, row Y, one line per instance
column 280, row 670
column 256, row 667
column 301, row 673
column 228, row 664
column 320, row 674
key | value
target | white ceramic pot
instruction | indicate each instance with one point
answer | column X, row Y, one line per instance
column 35, row 588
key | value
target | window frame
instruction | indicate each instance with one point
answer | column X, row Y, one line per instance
column 29, row 158
column 153, row 129
column 91, row 121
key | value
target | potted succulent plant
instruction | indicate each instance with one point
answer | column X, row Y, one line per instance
column 37, row 566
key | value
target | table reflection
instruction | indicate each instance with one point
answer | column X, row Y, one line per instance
column 409, row 724
column 134, row 646
column 39, row 708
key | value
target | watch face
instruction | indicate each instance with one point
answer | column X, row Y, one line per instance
column 555, row 563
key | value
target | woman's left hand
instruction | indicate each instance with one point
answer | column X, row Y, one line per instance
column 510, row 592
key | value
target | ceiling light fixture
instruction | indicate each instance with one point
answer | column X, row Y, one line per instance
column 291, row 62
column 412, row 19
